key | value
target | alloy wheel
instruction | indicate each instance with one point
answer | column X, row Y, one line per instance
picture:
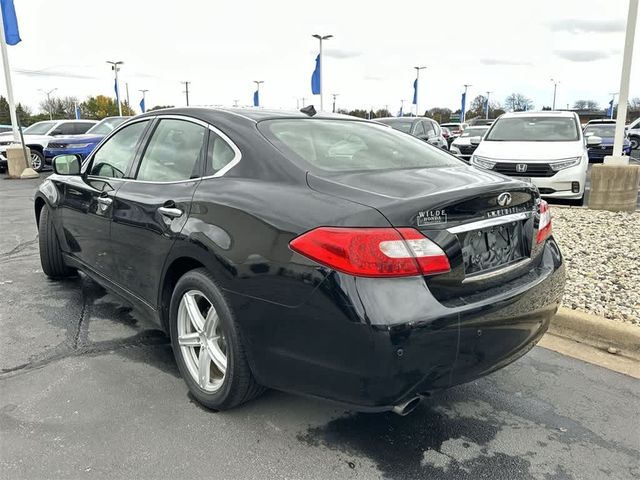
column 202, row 342
column 36, row 161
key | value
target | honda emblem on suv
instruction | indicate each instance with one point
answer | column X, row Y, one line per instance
column 521, row 167
column 504, row 199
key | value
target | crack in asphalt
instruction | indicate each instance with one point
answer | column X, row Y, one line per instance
column 18, row 248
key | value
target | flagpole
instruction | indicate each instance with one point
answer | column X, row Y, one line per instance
column 7, row 77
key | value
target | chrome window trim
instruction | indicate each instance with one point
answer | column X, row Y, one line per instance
column 236, row 159
column 490, row 222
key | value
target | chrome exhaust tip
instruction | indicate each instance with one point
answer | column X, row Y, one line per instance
column 407, row 407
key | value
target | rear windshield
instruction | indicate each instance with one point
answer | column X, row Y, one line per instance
column 474, row 132
column 339, row 145
column 403, row 126
column 534, row 129
column 602, row 130
column 106, row 126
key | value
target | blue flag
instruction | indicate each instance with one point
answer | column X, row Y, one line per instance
column 315, row 78
column 10, row 22
column 142, row 105
column 463, row 103
column 610, row 109
column 78, row 112
column 256, row 98
column 415, row 92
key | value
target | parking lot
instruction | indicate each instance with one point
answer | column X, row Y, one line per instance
column 89, row 389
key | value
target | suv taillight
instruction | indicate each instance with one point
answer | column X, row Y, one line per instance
column 373, row 252
column 544, row 227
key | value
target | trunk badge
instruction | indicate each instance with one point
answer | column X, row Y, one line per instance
column 504, row 199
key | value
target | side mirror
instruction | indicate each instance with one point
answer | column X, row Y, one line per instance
column 593, row 141
column 66, row 164
column 475, row 141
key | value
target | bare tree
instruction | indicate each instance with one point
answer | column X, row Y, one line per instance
column 586, row 105
column 516, row 102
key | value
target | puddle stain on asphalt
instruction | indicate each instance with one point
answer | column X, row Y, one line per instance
column 411, row 447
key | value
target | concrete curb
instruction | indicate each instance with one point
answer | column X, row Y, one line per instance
column 597, row 331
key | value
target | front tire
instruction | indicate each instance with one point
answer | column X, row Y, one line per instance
column 50, row 252
column 207, row 344
column 635, row 143
column 37, row 160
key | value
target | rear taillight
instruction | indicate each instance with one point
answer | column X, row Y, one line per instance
column 544, row 227
column 373, row 252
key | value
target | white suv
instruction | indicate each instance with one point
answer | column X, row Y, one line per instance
column 37, row 137
column 546, row 148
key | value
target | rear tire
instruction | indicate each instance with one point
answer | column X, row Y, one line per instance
column 50, row 252
column 37, row 160
column 205, row 338
column 635, row 143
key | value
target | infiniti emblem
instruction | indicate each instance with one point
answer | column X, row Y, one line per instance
column 504, row 199
column 521, row 167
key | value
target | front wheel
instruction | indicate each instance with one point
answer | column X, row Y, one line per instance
column 37, row 160
column 50, row 252
column 207, row 344
column 635, row 142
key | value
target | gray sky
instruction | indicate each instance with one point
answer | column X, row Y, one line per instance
column 221, row 47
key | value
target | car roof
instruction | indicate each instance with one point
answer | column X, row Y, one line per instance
column 540, row 113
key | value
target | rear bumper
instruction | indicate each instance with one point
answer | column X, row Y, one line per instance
column 373, row 343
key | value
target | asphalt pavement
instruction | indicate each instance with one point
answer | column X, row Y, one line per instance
column 89, row 389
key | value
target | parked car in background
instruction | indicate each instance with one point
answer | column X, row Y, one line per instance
column 546, row 148
column 462, row 146
column 455, row 128
column 421, row 127
column 5, row 128
column 273, row 258
column 84, row 144
column 633, row 134
column 38, row 135
column 606, row 131
column 474, row 122
column 448, row 136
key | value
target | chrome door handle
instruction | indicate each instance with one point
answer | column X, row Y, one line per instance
column 170, row 212
column 106, row 201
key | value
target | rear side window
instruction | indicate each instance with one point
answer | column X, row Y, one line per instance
column 81, row 127
column 174, row 152
column 116, row 154
column 418, row 131
column 220, row 154
column 342, row 145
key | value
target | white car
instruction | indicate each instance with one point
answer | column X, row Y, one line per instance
column 37, row 137
column 462, row 146
column 633, row 133
column 546, row 148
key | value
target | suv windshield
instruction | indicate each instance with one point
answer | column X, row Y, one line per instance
column 402, row 125
column 474, row 132
column 40, row 128
column 342, row 145
column 534, row 129
column 603, row 130
column 106, row 126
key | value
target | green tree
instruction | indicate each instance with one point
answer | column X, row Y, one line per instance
column 159, row 107
column 100, row 107
column 439, row 114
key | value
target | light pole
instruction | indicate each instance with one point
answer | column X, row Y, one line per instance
column 487, row 106
column 334, row 95
column 613, row 102
column 258, row 82
column 416, row 92
column 464, row 103
column 235, row 102
column 144, row 100
column 186, row 90
column 555, row 88
column 321, row 38
column 402, row 108
column 48, row 94
column 115, row 66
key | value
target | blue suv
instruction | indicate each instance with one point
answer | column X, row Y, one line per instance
column 82, row 144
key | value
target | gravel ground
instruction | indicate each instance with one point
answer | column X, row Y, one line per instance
column 602, row 251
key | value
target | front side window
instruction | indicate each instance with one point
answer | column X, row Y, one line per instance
column 344, row 145
column 534, row 129
column 419, row 130
column 40, row 128
column 173, row 153
column 116, row 154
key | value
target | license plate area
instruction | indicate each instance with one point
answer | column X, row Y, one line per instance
column 492, row 247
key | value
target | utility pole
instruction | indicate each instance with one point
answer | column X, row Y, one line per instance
column 321, row 38
column 464, row 104
column 613, row 102
column 115, row 66
column 334, row 95
column 304, row 99
column 402, row 108
column 126, row 86
column 487, row 106
column 417, row 81
column 48, row 94
column 555, row 88
column 235, row 102
column 144, row 99
column 186, row 90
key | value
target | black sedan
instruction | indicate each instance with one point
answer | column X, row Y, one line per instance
column 319, row 254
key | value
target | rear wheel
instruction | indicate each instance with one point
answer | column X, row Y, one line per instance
column 207, row 344
column 635, row 143
column 50, row 252
column 37, row 160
